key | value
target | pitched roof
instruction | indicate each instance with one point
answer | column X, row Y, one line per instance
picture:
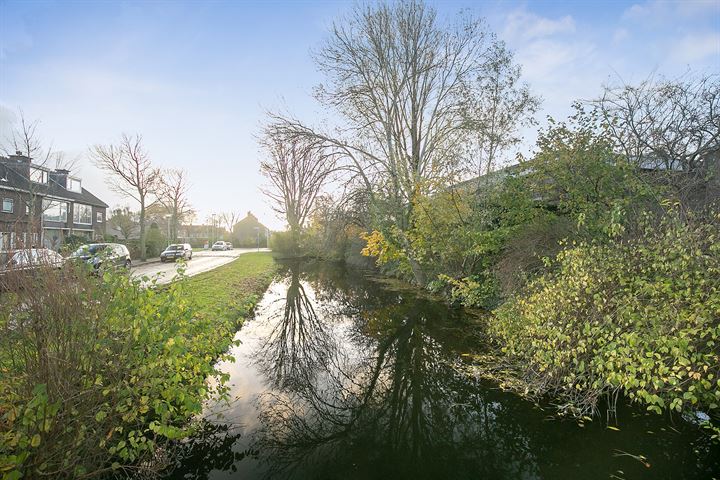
column 10, row 177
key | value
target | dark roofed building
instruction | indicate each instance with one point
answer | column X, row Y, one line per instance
column 42, row 206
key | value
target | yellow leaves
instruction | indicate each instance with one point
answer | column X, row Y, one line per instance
column 378, row 246
column 35, row 441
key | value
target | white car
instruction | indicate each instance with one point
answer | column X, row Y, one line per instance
column 31, row 258
column 219, row 245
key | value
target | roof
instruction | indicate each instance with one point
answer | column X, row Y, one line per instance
column 10, row 177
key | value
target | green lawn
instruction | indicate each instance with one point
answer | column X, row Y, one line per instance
column 234, row 288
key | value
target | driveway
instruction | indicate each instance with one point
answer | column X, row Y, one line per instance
column 201, row 262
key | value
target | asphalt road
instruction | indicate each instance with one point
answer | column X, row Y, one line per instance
column 201, row 262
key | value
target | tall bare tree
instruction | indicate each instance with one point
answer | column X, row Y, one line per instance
column 173, row 195
column 298, row 170
column 131, row 173
column 403, row 82
column 671, row 124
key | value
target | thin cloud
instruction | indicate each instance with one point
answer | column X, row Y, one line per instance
column 664, row 11
column 521, row 24
column 695, row 47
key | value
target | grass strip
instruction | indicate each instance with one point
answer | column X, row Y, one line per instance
column 232, row 290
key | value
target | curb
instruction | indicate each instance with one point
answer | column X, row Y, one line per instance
column 146, row 262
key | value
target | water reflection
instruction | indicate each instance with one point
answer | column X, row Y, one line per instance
column 300, row 342
column 338, row 377
column 210, row 449
column 391, row 397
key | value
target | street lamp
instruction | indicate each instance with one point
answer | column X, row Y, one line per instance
column 167, row 217
column 212, row 231
column 257, row 229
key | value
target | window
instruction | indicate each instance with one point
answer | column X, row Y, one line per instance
column 27, row 208
column 54, row 211
column 38, row 175
column 99, row 217
column 8, row 205
column 74, row 184
column 82, row 214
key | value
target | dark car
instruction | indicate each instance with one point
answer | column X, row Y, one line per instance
column 103, row 255
column 176, row 251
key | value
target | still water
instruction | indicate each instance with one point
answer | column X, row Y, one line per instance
column 341, row 376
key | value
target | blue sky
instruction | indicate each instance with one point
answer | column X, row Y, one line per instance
column 195, row 78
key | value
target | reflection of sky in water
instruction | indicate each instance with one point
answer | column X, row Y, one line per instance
column 336, row 377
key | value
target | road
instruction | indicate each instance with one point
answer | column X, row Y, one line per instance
column 201, row 262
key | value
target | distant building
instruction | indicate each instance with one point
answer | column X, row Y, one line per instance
column 249, row 232
column 42, row 206
column 199, row 235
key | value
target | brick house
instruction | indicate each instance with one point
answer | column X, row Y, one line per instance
column 42, row 206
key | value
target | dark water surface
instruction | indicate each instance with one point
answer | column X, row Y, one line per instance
column 341, row 377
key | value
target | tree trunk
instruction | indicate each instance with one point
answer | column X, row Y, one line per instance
column 418, row 272
column 143, row 253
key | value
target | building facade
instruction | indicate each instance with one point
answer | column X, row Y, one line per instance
column 42, row 206
column 249, row 232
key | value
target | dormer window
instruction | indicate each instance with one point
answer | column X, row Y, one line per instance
column 38, row 175
column 74, row 184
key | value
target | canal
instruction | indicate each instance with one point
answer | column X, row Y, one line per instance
column 340, row 375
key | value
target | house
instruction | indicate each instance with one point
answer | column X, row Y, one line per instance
column 249, row 232
column 42, row 206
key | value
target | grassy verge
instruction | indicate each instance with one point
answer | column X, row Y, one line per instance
column 96, row 376
column 232, row 290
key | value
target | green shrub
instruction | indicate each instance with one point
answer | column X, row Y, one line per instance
column 95, row 374
column 281, row 243
column 635, row 316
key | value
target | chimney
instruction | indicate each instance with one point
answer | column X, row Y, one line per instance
column 20, row 158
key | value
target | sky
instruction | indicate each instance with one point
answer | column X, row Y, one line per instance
column 196, row 78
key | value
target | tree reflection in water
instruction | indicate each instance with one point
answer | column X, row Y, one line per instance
column 300, row 342
column 390, row 398
column 211, row 448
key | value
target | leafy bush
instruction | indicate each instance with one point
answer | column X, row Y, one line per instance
column 281, row 243
column 95, row 374
column 636, row 316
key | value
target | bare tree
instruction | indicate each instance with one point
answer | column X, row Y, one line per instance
column 504, row 105
column 62, row 162
column 25, row 139
column 229, row 219
column 665, row 123
column 173, row 195
column 403, row 83
column 131, row 173
column 297, row 170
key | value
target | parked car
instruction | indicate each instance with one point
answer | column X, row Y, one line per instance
column 104, row 254
column 229, row 245
column 219, row 245
column 31, row 258
column 175, row 251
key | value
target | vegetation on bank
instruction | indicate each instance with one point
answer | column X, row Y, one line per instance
column 637, row 317
column 98, row 374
